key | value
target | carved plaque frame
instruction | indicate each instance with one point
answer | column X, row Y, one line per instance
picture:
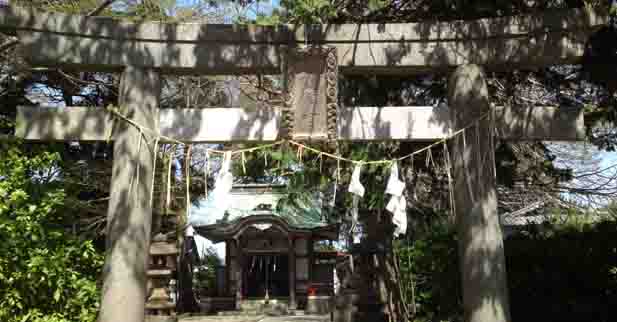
column 311, row 100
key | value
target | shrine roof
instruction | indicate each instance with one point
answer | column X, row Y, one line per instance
column 266, row 220
column 254, row 204
column 299, row 214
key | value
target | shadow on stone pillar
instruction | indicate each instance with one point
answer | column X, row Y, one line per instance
column 482, row 260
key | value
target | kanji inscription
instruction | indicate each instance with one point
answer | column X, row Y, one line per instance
column 312, row 90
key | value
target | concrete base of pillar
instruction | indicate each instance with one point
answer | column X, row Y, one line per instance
column 316, row 304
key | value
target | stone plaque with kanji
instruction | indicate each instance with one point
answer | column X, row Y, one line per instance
column 312, row 93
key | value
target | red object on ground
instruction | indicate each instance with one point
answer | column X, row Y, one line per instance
column 312, row 291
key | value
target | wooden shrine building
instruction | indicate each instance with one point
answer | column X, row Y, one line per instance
column 270, row 254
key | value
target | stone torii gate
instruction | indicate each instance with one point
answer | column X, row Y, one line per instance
column 145, row 51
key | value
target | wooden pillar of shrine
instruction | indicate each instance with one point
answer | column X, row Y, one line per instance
column 311, row 259
column 239, row 271
column 482, row 261
column 228, row 287
column 129, row 214
column 292, row 274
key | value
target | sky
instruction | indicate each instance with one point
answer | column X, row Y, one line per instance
column 608, row 159
column 262, row 6
column 591, row 169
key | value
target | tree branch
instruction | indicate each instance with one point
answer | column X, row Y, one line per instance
column 96, row 11
column 10, row 43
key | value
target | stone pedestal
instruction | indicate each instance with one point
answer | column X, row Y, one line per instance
column 365, row 292
column 319, row 304
column 358, row 300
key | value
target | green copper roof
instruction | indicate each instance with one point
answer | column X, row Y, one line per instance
column 303, row 214
column 251, row 200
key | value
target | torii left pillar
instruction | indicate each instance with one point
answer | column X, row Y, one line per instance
column 129, row 216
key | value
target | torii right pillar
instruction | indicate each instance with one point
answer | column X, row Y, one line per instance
column 480, row 240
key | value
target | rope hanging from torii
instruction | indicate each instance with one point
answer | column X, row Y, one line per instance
column 310, row 113
column 395, row 187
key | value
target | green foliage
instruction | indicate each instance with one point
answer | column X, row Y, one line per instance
column 563, row 273
column 46, row 274
column 558, row 273
column 269, row 20
column 150, row 10
column 64, row 6
column 306, row 173
column 204, row 279
column 429, row 265
column 309, row 11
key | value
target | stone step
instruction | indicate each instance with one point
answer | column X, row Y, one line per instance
column 261, row 304
column 250, row 306
column 160, row 318
column 239, row 313
column 253, row 307
column 160, row 305
column 161, row 272
column 253, row 313
column 276, row 311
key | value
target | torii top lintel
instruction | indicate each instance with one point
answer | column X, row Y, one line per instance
column 95, row 43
